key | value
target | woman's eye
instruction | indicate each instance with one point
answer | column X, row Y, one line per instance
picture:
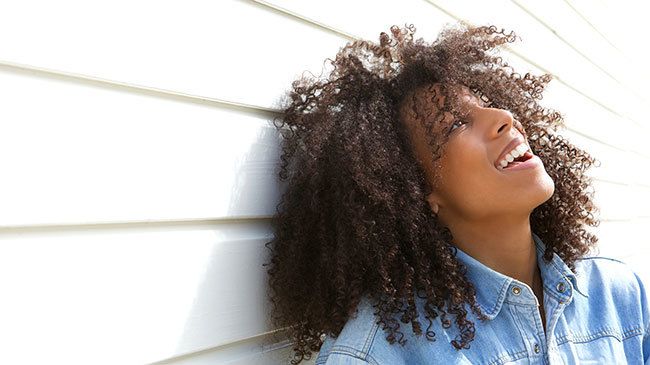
column 458, row 122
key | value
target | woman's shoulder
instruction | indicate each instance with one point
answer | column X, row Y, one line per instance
column 614, row 287
column 364, row 340
column 356, row 343
column 608, row 275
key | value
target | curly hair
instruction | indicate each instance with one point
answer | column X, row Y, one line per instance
column 354, row 220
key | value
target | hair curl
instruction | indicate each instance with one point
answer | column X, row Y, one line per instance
column 354, row 219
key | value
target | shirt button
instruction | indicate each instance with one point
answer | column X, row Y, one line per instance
column 560, row 287
column 516, row 290
column 536, row 348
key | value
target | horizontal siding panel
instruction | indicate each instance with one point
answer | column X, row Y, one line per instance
column 619, row 239
column 91, row 153
column 572, row 28
column 427, row 18
column 621, row 25
column 259, row 350
column 582, row 115
column 132, row 294
column 621, row 201
column 208, row 48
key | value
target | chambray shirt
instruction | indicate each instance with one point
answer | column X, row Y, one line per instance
column 597, row 314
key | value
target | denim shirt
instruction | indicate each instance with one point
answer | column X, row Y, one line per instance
column 597, row 314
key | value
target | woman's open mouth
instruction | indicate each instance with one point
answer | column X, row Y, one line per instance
column 525, row 157
column 528, row 160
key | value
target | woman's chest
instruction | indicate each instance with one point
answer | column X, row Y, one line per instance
column 517, row 336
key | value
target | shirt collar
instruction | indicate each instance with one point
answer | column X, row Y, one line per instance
column 492, row 286
column 557, row 265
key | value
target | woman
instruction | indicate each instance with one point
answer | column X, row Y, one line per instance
column 428, row 193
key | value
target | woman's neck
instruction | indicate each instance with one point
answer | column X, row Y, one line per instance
column 506, row 247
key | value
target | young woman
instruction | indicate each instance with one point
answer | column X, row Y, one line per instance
column 433, row 215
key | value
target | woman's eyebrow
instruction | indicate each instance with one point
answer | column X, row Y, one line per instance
column 479, row 100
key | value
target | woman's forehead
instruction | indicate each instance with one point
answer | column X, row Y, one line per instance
column 435, row 96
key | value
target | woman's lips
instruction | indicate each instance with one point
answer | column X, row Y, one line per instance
column 509, row 147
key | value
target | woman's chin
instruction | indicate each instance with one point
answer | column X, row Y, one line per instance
column 545, row 188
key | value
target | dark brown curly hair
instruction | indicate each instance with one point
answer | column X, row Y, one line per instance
column 354, row 220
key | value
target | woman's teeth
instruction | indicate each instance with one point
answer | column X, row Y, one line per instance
column 516, row 152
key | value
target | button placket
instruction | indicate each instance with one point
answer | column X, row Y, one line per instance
column 528, row 318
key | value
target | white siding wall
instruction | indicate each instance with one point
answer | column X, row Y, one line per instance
column 138, row 158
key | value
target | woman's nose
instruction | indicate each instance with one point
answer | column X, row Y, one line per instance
column 502, row 122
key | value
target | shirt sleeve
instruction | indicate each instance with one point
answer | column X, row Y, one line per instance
column 645, row 312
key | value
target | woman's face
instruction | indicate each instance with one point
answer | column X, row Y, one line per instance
column 469, row 183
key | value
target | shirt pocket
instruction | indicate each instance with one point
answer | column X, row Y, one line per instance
column 600, row 347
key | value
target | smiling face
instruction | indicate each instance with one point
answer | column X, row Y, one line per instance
column 468, row 183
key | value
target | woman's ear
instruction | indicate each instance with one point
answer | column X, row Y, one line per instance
column 433, row 202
